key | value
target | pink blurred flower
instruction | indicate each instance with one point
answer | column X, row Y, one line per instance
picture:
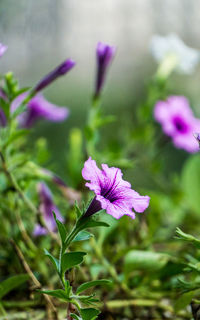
column 3, row 49
column 178, row 122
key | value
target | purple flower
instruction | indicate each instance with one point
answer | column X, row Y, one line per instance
column 112, row 193
column 2, row 49
column 63, row 68
column 105, row 54
column 178, row 122
column 38, row 107
column 47, row 207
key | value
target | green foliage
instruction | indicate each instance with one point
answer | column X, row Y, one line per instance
column 11, row 283
column 71, row 259
column 89, row 314
column 61, row 229
column 82, row 236
column 144, row 260
column 90, row 284
column 54, row 261
column 58, row 293
column 191, row 182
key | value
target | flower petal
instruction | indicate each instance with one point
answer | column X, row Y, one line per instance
column 92, row 173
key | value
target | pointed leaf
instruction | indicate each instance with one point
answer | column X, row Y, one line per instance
column 61, row 229
column 184, row 300
column 74, row 316
column 53, row 259
column 83, row 235
column 71, row 259
column 59, row 293
column 89, row 313
column 78, row 210
column 90, row 222
column 11, row 283
column 90, row 284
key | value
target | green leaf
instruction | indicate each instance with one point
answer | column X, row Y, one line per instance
column 12, row 283
column 180, row 235
column 90, row 222
column 91, row 284
column 71, row 259
column 58, row 293
column 83, row 235
column 61, row 229
column 74, row 316
column 16, row 135
column 183, row 300
column 19, row 110
column 53, row 259
column 78, row 210
column 89, row 313
column 144, row 260
column 191, row 182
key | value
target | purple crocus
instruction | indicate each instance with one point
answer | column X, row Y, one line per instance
column 178, row 122
column 3, row 49
column 47, row 207
column 38, row 107
column 105, row 54
column 112, row 193
column 62, row 69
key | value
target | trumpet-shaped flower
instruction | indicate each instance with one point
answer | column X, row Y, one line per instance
column 171, row 45
column 38, row 107
column 61, row 70
column 47, row 207
column 112, row 193
column 178, row 122
column 105, row 54
column 3, row 49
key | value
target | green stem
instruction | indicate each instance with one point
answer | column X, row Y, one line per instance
column 2, row 311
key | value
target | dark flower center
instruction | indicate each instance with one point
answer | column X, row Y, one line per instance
column 180, row 125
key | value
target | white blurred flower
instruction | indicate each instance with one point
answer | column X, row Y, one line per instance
column 172, row 46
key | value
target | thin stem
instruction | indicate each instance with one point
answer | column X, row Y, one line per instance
column 32, row 276
column 2, row 311
column 23, row 231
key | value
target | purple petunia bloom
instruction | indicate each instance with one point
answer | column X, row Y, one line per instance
column 47, row 207
column 112, row 193
column 178, row 122
column 3, row 49
column 38, row 107
column 62, row 69
column 105, row 54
